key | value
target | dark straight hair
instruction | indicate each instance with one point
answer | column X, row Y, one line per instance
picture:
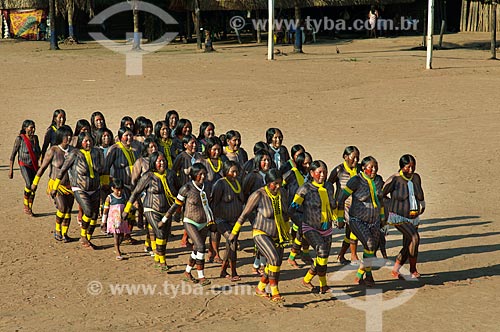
column 405, row 160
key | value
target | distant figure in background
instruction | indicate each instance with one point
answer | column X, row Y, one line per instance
column 372, row 19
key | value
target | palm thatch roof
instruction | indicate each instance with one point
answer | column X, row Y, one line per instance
column 24, row 4
column 206, row 5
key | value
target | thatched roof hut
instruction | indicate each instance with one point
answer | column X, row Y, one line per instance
column 210, row 5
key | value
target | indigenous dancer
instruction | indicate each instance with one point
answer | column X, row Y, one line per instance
column 249, row 165
column 82, row 126
column 119, row 163
column 183, row 128
column 251, row 183
column 104, row 140
column 182, row 168
column 293, row 180
column 291, row 163
column 171, row 118
column 27, row 149
column 162, row 135
column 58, row 120
column 85, row 165
column 207, row 130
column 141, row 167
column 197, row 214
column 365, row 213
column 143, row 129
column 97, row 122
column 270, row 230
column 318, row 203
column 186, row 159
column 233, row 150
column 112, row 215
column 64, row 198
column 279, row 153
column 227, row 202
column 256, row 179
column 405, row 205
column 158, row 184
column 213, row 163
column 339, row 177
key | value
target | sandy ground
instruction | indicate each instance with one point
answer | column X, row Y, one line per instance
column 375, row 94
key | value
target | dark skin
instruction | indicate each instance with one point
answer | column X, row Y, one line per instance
column 30, row 132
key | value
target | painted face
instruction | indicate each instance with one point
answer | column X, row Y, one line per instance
column 161, row 164
column 234, row 143
column 172, row 121
column 127, row 138
column 148, row 131
column 164, row 132
column 30, row 130
column 277, row 139
column 275, row 186
column 106, row 139
column 209, row 132
column 117, row 192
column 200, row 177
column 99, row 122
column 319, row 175
column 60, row 120
column 409, row 169
column 87, row 143
column 265, row 163
column 190, row 146
column 233, row 172
column 352, row 159
column 152, row 148
column 215, row 151
column 186, row 130
column 371, row 169
column 306, row 164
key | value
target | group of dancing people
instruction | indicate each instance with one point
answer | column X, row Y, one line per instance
column 149, row 176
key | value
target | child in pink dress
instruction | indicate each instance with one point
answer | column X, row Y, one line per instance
column 112, row 215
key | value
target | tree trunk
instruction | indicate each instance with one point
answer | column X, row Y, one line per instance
column 137, row 36
column 71, row 12
column 493, row 28
column 259, row 32
column 297, row 47
column 196, row 19
column 53, row 36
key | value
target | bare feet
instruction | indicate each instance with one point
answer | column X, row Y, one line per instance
column 293, row 263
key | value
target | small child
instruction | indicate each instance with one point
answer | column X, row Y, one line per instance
column 112, row 215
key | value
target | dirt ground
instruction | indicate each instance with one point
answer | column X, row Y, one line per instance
column 374, row 94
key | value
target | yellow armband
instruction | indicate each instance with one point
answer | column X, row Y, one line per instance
column 36, row 180
column 236, row 228
column 56, row 184
column 127, row 207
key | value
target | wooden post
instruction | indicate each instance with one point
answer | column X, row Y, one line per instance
column 430, row 30
column 493, row 28
column 443, row 23
column 297, row 47
column 197, row 18
column 53, row 36
column 270, row 31
column 259, row 32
